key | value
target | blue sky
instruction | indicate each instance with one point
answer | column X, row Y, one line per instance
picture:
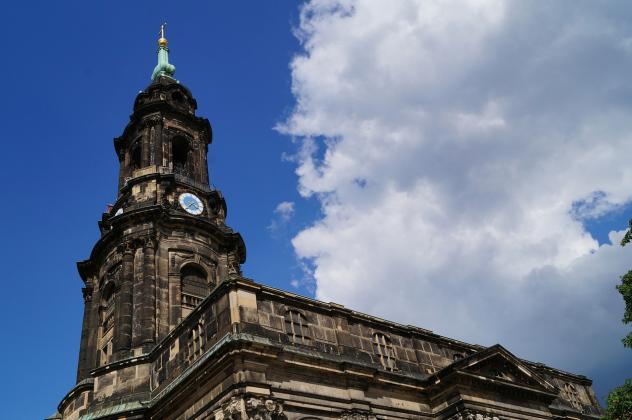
column 72, row 74
column 375, row 197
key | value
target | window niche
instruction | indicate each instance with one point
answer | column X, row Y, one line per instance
column 296, row 327
column 180, row 155
column 194, row 286
column 383, row 349
column 106, row 323
column 135, row 155
column 196, row 341
column 572, row 396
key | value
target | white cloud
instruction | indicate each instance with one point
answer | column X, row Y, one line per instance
column 464, row 143
column 283, row 213
column 285, row 210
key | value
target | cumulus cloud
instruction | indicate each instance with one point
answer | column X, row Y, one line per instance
column 456, row 149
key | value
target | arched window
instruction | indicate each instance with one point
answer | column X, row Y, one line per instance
column 180, row 155
column 106, row 323
column 135, row 155
column 296, row 327
column 195, row 287
column 384, row 350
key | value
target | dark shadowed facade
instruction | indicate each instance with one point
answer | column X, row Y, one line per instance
column 172, row 330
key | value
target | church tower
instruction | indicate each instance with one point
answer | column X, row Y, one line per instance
column 164, row 244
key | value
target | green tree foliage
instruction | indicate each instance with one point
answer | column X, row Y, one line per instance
column 625, row 288
column 619, row 400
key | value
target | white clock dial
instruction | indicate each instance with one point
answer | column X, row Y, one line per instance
column 191, row 203
column 118, row 212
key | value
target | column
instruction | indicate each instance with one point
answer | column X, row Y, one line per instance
column 84, row 367
column 156, row 133
column 137, row 304
column 123, row 333
column 149, row 293
column 145, row 151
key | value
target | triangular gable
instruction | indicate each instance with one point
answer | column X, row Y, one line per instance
column 498, row 364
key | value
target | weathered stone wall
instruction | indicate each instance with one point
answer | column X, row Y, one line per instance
column 185, row 345
column 237, row 344
column 338, row 331
column 77, row 405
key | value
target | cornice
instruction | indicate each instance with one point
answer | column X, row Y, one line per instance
column 86, row 384
column 162, row 217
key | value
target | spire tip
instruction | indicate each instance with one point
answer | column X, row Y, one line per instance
column 162, row 41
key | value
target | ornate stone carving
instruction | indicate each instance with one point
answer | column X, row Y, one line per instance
column 233, row 269
column 251, row 408
column 356, row 415
column 263, row 409
column 231, row 410
column 151, row 121
column 473, row 415
column 149, row 241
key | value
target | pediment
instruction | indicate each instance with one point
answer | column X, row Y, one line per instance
column 497, row 364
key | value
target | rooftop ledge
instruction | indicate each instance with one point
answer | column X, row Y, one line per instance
column 180, row 176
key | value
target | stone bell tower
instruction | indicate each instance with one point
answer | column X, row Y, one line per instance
column 164, row 245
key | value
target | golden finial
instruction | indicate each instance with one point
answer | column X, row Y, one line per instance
column 162, row 41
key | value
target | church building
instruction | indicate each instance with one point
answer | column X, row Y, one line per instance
column 173, row 330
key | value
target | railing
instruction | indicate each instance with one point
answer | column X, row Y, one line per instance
column 181, row 175
column 189, row 181
column 180, row 170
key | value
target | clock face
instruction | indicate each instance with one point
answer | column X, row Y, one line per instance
column 191, row 203
column 118, row 212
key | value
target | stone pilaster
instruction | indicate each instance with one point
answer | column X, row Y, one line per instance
column 146, row 152
column 156, row 134
column 148, row 315
column 123, row 338
column 137, row 305
column 84, row 349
